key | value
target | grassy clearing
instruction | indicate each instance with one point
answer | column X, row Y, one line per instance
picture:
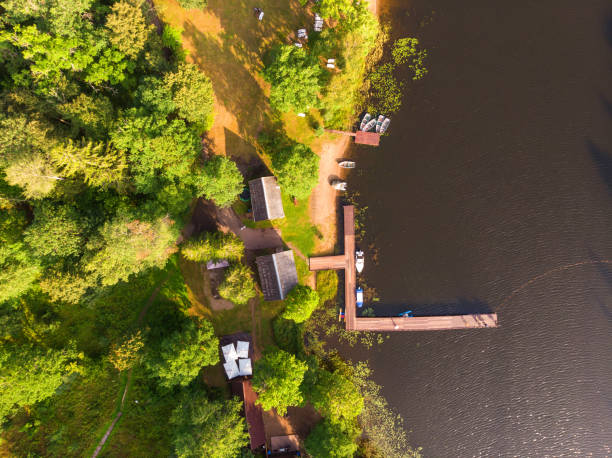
column 296, row 228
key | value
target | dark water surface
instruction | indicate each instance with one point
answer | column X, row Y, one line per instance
column 499, row 169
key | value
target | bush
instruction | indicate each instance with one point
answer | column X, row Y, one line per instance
column 327, row 285
column 238, row 285
column 193, row 4
column 332, row 440
column 289, row 335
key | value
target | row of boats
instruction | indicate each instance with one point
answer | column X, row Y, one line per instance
column 379, row 124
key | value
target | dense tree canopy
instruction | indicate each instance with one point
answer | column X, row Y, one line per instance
column 335, row 396
column 300, row 303
column 295, row 78
column 29, row 374
column 277, row 377
column 238, row 285
column 181, row 355
column 192, row 94
column 208, row 429
column 297, row 169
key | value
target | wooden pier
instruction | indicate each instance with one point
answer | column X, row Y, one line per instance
column 346, row 261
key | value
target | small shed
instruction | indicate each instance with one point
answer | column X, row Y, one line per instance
column 266, row 199
column 277, row 274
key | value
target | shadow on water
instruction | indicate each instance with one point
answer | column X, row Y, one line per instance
column 459, row 306
column 603, row 162
column 606, row 273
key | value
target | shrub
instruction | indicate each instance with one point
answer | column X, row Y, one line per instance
column 213, row 246
column 300, row 303
column 238, row 285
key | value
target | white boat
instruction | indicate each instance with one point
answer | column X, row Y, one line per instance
column 339, row 185
column 365, row 121
column 369, row 125
column 385, row 125
column 379, row 122
column 359, row 261
column 359, row 297
column 347, row 164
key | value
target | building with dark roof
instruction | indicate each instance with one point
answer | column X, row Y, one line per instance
column 277, row 274
column 266, row 199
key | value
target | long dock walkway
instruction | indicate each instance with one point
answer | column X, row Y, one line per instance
column 346, row 261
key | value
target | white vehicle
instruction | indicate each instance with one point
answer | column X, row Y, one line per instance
column 359, row 261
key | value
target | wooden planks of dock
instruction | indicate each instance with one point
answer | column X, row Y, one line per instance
column 346, row 261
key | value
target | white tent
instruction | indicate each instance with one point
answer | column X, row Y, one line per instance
column 231, row 369
column 245, row 366
column 229, row 353
column 242, row 349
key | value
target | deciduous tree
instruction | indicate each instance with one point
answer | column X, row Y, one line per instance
column 192, row 94
column 335, row 396
column 182, row 354
column 300, row 303
column 295, row 79
column 220, row 181
column 332, row 440
column 297, row 169
column 238, row 285
column 208, row 429
column 127, row 245
column 277, row 377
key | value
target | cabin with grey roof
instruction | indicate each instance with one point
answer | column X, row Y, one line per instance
column 266, row 199
column 277, row 274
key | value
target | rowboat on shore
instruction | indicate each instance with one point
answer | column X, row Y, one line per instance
column 339, row 185
column 365, row 121
column 347, row 164
column 379, row 122
column 369, row 125
column 385, row 125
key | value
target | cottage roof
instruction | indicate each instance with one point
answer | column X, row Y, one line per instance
column 231, row 369
column 245, row 367
column 242, row 349
column 229, row 352
column 266, row 199
column 277, row 274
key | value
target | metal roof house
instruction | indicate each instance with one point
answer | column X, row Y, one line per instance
column 266, row 199
column 278, row 274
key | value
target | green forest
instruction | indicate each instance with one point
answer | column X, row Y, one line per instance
column 103, row 122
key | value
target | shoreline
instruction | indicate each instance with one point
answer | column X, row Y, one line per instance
column 323, row 209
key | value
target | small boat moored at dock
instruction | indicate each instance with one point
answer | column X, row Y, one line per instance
column 347, row 164
column 370, row 125
column 359, row 261
column 359, row 297
column 365, row 121
column 385, row 125
column 339, row 185
column 407, row 314
column 379, row 122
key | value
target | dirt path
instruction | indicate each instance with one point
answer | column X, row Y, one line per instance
column 323, row 198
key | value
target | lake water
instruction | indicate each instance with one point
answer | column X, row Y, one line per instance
column 497, row 170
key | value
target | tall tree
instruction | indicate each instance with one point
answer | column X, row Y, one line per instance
column 129, row 29
column 182, row 355
column 208, row 429
column 295, row 79
column 91, row 115
column 192, row 93
column 277, row 377
column 34, row 174
column 297, row 169
column 219, row 180
column 127, row 245
column 99, row 163
column 300, row 303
